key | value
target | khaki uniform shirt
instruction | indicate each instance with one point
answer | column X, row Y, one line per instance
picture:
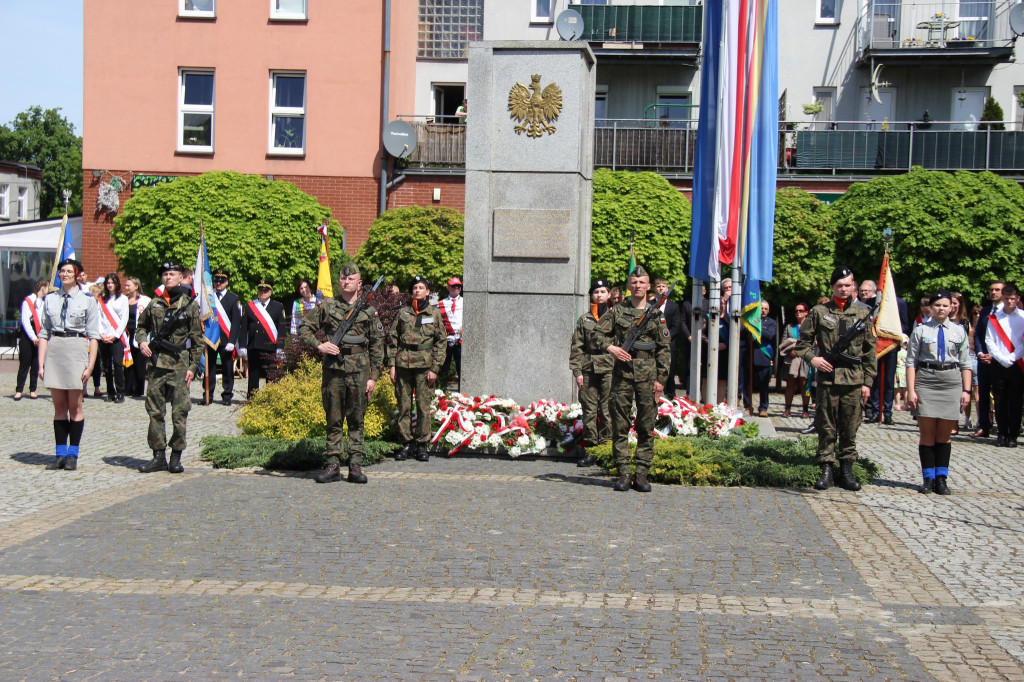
column 825, row 325
column 647, row 365
column 417, row 341
column 924, row 344
column 586, row 354
column 187, row 329
column 362, row 348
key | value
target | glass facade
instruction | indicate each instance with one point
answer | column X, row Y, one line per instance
column 447, row 27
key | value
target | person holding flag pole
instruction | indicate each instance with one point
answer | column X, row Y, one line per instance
column 208, row 316
column 229, row 318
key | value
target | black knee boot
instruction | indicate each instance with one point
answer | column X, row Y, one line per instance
column 846, row 480
column 825, row 481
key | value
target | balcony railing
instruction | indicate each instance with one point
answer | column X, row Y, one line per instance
column 941, row 27
column 641, row 23
column 822, row 147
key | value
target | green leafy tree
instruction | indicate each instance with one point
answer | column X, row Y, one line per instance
column 992, row 112
column 48, row 140
column 658, row 213
column 804, row 249
column 255, row 228
column 416, row 240
column 957, row 231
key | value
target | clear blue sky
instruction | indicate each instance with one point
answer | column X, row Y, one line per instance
column 41, row 57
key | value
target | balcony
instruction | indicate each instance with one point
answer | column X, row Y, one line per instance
column 912, row 32
column 843, row 147
column 642, row 30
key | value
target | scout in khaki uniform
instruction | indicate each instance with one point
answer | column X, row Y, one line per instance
column 416, row 349
column 591, row 366
column 350, row 371
column 640, row 374
column 162, row 333
column 843, row 387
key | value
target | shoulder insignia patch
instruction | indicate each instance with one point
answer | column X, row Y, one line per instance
column 665, row 332
column 380, row 326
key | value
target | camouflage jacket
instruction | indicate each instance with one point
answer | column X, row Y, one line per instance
column 586, row 354
column 188, row 328
column 362, row 348
column 417, row 341
column 650, row 363
column 824, row 326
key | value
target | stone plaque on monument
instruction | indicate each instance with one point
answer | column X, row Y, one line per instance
column 529, row 174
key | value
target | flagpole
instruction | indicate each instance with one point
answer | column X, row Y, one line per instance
column 714, row 301
column 735, row 303
column 206, row 375
column 696, row 338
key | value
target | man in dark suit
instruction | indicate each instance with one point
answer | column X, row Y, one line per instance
column 229, row 315
column 884, row 386
column 763, row 354
column 262, row 334
column 995, row 295
column 670, row 311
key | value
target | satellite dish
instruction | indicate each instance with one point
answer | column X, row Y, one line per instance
column 569, row 25
column 1017, row 19
column 399, row 139
column 876, row 83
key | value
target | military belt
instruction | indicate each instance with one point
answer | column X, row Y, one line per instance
column 70, row 335
column 416, row 346
column 354, row 339
column 930, row 364
column 354, row 350
column 645, row 345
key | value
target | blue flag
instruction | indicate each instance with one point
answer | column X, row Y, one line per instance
column 750, row 308
column 205, row 295
column 66, row 250
column 702, row 227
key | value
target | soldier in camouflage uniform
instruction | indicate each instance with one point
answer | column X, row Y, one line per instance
column 591, row 365
column 350, row 371
column 844, row 387
column 170, row 371
column 416, row 348
column 640, row 373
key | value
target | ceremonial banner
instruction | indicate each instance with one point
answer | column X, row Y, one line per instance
column 208, row 304
column 324, row 285
column 65, row 250
column 888, row 328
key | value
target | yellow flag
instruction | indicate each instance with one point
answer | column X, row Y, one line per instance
column 324, row 286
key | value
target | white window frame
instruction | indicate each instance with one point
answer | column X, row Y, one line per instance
column 827, row 21
column 1018, row 110
column 536, row 18
column 5, row 200
column 676, row 91
column 278, row 15
column 195, row 109
column 293, row 112
column 22, row 203
column 197, row 13
column 820, row 94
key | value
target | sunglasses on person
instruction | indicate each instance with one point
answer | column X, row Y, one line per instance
column 801, row 310
column 219, row 280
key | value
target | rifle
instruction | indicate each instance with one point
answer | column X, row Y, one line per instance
column 838, row 350
column 651, row 310
column 161, row 341
column 360, row 305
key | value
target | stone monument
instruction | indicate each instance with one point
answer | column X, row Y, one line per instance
column 529, row 184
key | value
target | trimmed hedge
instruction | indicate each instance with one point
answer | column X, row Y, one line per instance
column 234, row 452
column 735, row 461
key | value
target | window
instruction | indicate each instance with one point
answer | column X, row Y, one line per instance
column 5, row 197
column 1018, row 107
column 447, row 27
column 447, row 99
column 206, row 9
column 601, row 106
column 195, row 111
column 826, row 97
column 827, row 11
column 541, row 11
column 287, row 113
column 673, row 108
column 22, row 203
column 288, row 9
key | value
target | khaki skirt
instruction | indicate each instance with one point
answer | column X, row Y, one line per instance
column 66, row 360
column 938, row 393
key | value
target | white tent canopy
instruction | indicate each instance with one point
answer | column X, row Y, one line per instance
column 39, row 235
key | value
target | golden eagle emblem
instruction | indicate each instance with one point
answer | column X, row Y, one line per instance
column 535, row 112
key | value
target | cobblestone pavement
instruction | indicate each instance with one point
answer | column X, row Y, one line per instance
column 475, row 568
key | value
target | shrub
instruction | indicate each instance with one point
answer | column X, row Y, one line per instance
column 804, row 250
column 234, row 452
column 410, row 241
column 734, row 461
column 292, row 409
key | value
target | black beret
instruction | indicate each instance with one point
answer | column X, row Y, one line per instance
column 70, row 261
column 418, row 279
column 171, row 265
column 841, row 272
column 941, row 293
column 598, row 283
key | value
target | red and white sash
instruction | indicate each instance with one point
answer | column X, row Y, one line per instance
column 264, row 320
column 115, row 322
column 35, row 314
column 1001, row 333
column 448, row 328
column 223, row 319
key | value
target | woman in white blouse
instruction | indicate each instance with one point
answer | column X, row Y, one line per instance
column 113, row 307
column 28, row 340
column 135, row 376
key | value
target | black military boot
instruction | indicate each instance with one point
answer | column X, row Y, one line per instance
column 846, row 480
column 421, row 453
column 58, row 463
column 940, row 486
column 622, row 485
column 331, row 472
column 356, row 475
column 174, row 466
column 586, row 459
column 825, row 482
column 404, row 453
column 71, row 464
column 640, row 483
column 158, row 463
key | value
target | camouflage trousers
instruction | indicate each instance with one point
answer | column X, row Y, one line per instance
column 840, row 413
column 344, row 396
column 406, row 382
column 163, row 386
column 595, row 399
column 623, row 391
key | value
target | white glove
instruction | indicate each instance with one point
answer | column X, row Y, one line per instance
column 280, row 354
column 229, row 347
column 243, row 353
column 452, row 339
